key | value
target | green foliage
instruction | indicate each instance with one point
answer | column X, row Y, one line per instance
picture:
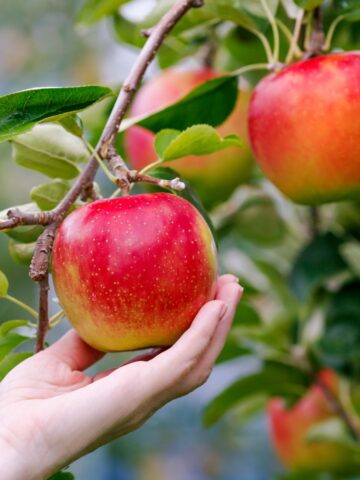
column 317, row 263
column 94, row 10
column 4, row 284
column 274, row 379
column 10, row 361
column 21, row 253
column 196, row 140
column 62, row 476
column 210, row 103
column 332, row 430
column 51, row 150
column 20, row 111
column 48, row 195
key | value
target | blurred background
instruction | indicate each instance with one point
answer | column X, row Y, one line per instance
column 40, row 46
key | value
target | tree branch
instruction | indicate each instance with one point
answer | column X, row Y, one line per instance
column 337, row 408
column 317, row 39
column 40, row 261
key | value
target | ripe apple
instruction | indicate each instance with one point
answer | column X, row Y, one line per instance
column 133, row 272
column 214, row 176
column 304, row 124
column 289, row 428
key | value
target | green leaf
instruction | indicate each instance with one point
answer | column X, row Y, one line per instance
column 20, row 111
column 274, row 379
column 332, row 430
column 245, row 316
column 339, row 347
column 27, row 233
column 10, row 325
column 210, row 103
column 94, row 10
column 232, row 11
column 258, row 221
column 127, row 32
column 163, row 139
column 72, row 124
column 196, row 140
column 351, row 253
column 308, row 4
column 51, row 150
column 189, row 194
column 10, row 342
column 21, row 253
column 48, row 195
column 317, row 263
column 4, row 284
column 62, row 476
column 10, row 362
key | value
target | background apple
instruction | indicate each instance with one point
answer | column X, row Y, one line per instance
column 289, row 428
column 304, row 124
column 133, row 272
column 215, row 176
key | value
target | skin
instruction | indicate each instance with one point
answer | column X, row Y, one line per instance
column 289, row 428
column 52, row 412
column 304, row 125
column 133, row 272
column 215, row 176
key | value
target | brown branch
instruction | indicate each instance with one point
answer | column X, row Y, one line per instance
column 119, row 169
column 43, row 323
column 338, row 408
column 40, row 261
column 174, row 184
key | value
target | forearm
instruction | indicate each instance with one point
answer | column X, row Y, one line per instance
column 13, row 465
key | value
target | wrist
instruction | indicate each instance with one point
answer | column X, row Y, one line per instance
column 12, row 465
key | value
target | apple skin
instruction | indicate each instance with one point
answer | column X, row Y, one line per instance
column 289, row 428
column 214, row 176
column 133, row 272
column 304, row 125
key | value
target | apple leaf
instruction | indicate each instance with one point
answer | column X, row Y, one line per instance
column 10, row 361
column 210, row 103
column 308, row 4
column 319, row 261
column 21, row 253
column 73, row 124
column 48, row 195
column 10, row 325
column 195, row 140
column 51, row 150
column 4, row 284
column 26, row 233
column 274, row 379
column 94, row 10
column 62, row 476
column 10, row 342
column 332, row 430
column 20, row 111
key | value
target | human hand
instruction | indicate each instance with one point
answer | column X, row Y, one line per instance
column 52, row 413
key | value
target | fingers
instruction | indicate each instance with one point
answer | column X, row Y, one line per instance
column 224, row 279
column 230, row 294
column 73, row 351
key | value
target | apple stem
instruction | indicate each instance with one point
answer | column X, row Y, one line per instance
column 317, row 37
column 338, row 408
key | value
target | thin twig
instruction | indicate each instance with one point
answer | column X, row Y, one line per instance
column 43, row 323
column 295, row 37
column 337, row 408
column 317, row 38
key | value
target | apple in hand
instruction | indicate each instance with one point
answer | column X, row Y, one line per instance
column 304, row 125
column 290, row 426
column 215, row 176
column 133, row 272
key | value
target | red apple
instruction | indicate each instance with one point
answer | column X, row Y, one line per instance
column 304, row 125
column 214, row 176
column 133, row 272
column 289, row 428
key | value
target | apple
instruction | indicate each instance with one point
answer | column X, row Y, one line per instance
column 290, row 426
column 214, row 176
column 304, row 125
column 133, row 272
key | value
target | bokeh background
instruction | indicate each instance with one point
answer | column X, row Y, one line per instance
column 40, row 46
